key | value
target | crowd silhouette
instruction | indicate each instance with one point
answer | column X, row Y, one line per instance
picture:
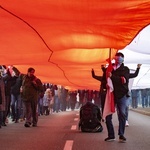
column 51, row 99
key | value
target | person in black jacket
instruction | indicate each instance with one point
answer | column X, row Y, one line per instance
column 15, row 95
column 132, row 75
column 2, row 99
column 120, row 80
column 30, row 89
column 103, row 81
column 6, row 75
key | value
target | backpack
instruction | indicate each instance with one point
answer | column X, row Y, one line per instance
column 89, row 121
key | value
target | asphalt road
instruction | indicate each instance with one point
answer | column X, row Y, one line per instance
column 59, row 132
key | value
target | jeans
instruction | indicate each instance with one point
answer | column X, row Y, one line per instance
column 127, row 108
column 15, row 106
column 102, row 97
column 56, row 103
column 40, row 106
column 121, row 105
column 1, row 117
column 144, row 101
column 110, row 127
column 31, row 111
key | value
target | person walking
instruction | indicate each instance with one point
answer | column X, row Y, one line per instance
column 2, row 99
column 120, row 79
column 31, row 86
column 6, row 75
column 15, row 95
column 46, row 102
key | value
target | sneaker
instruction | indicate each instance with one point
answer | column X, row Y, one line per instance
column 13, row 120
column 16, row 121
column 34, row 125
column 127, row 123
column 3, row 124
column 21, row 119
column 27, row 124
column 110, row 139
column 122, row 139
column 6, row 121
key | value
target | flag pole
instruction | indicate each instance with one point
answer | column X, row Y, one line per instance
column 109, row 55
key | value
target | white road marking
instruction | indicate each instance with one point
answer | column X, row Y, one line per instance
column 74, row 127
column 68, row 145
column 76, row 119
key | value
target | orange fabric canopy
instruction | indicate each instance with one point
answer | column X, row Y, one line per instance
column 64, row 39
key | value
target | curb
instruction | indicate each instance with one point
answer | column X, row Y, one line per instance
column 141, row 112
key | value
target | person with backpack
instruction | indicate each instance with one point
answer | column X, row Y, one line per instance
column 90, row 118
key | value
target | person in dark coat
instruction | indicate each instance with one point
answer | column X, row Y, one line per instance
column 103, row 83
column 120, row 80
column 2, row 99
column 15, row 95
column 31, row 87
column 6, row 75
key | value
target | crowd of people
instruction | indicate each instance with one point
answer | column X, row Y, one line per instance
column 57, row 99
column 23, row 97
column 18, row 95
column 140, row 97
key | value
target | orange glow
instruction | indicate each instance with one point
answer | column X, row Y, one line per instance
column 64, row 39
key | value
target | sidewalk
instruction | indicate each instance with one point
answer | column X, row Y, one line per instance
column 140, row 109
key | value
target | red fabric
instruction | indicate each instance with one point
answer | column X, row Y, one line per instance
column 123, row 80
column 109, row 69
column 64, row 39
column 109, row 106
